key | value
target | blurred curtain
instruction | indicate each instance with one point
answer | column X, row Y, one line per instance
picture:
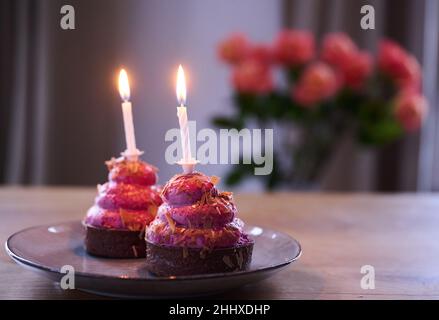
column 429, row 147
column 407, row 164
column 52, row 131
column 22, row 59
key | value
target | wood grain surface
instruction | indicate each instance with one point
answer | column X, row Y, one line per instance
column 397, row 234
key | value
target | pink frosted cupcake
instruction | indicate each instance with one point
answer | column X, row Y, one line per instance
column 123, row 208
column 196, row 230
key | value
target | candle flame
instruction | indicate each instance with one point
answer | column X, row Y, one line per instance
column 181, row 86
column 124, row 86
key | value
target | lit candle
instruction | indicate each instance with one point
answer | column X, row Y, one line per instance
column 124, row 89
column 187, row 162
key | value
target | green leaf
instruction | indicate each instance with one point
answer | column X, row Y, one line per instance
column 235, row 176
column 246, row 103
column 381, row 132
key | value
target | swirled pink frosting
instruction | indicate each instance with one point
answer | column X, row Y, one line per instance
column 130, row 199
column 195, row 214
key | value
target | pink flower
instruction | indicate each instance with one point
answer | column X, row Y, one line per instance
column 341, row 52
column 410, row 109
column 338, row 48
column 252, row 76
column 293, row 47
column 261, row 53
column 318, row 82
column 356, row 69
column 399, row 65
column 234, row 49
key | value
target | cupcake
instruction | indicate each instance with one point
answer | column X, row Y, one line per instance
column 196, row 230
column 124, row 206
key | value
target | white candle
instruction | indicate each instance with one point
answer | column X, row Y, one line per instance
column 129, row 127
column 124, row 89
column 187, row 162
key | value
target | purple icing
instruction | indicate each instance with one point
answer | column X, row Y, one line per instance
column 194, row 214
column 129, row 200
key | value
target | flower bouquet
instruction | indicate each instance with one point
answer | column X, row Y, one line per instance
column 320, row 93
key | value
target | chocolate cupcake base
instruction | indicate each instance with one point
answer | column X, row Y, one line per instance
column 110, row 243
column 178, row 261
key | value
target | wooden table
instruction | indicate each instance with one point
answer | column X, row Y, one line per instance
column 396, row 234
